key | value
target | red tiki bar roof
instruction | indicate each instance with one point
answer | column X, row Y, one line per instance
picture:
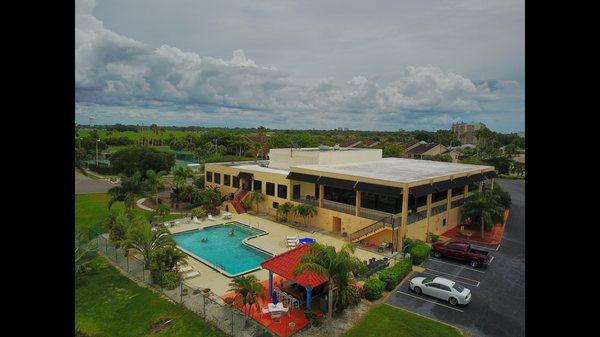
column 284, row 264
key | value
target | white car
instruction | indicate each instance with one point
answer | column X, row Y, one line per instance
column 441, row 288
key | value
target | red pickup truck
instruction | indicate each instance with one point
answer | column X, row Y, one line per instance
column 461, row 250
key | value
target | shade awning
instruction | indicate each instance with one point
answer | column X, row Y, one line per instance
column 460, row 181
column 339, row 183
column 477, row 177
column 285, row 263
column 245, row 175
column 441, row 186
column 378, row 189
column 421, row 190
column 490, row 174
column 309, row 178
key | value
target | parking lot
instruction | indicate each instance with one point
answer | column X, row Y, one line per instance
column 498, row 304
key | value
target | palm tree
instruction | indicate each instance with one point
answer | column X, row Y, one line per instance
column 181, row 174
column 82, row 260
column 144, row 241
column 126, row 192
column 283, row 210
column 155, row 182
column 484, row 207
column 257, row 197
column 248, row 289
column 305, row 211
column 336, row 265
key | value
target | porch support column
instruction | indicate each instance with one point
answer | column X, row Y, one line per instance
column 493, row 180
column 308, row 298
column 466, row 192
column 428, row 216
column 321, row 192
column 448, row 206
column 270, row 283
column 480, row 186
column 404, row 218
column 357, row 207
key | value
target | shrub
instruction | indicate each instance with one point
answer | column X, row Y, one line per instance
column 247, row 204
column 393, row 275
column 190, row 193
column 433, row 237
column 199, row 212
column 350, row 296
column 199, row 182
column 404, row 267
column 374, row 288
column 141, row 158
column 166, row 279
column 419, row 253
column 503, row 196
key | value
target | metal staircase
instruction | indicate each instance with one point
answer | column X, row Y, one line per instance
column 372, row 229
column 239, row 195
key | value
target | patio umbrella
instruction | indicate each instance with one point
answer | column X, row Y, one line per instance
column 274, row 298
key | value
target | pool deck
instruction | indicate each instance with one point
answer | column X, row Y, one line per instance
column 272, row 242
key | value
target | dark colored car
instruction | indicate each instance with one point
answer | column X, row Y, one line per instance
column 461, row 250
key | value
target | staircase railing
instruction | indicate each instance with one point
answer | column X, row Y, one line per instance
column 384, row 222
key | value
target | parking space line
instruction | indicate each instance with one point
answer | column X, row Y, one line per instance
column 435, row 259
column 492, row 259
column 474, row 284
column 422, row 299
column 498, row 247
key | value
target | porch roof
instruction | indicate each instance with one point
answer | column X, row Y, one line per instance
column 285, row 263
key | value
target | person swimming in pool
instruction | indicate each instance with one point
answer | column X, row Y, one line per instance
column 204, row 240
column 231, row 232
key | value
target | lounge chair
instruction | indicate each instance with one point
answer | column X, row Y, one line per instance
column 196, row 220
column 191, row 274
column 167, row 224
column 227, row 215
column 185, row 269
column 264, row 311
column 210, row 217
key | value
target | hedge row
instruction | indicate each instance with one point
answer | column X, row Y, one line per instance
column 418, row 250
column 393, row 275
column 373, row 289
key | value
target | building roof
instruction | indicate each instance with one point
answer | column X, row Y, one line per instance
column 398, row 170
column 350, row 143
column 370, row 143
column 285, row 263
column 421, row 148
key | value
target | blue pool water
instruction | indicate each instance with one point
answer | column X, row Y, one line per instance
column 221, row 251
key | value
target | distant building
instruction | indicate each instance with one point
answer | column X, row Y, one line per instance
column 370, row 144
column 466, row 132
column 420, row 149
column 351, row 143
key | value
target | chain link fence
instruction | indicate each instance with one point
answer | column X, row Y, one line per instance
column 204, row 303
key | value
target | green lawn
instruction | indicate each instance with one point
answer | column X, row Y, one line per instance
column 385, row 320
column 109, row 304
column 91, row 211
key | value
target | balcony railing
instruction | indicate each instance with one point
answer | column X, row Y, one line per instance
column 438, row 209
column 373, row 214
column 314, row 202
column 414, row 217
column 457, row 203
column 338, row 206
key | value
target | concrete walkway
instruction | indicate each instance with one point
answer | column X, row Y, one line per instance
column 86, row 185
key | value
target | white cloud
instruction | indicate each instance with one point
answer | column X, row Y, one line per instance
column 114, row 70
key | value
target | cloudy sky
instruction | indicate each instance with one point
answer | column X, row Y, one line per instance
column 367, row 65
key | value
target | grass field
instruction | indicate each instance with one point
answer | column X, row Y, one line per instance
column 103, row 134
column 385, row 320
column 109, row 304
column 91, row 211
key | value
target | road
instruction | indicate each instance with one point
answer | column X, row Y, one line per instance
column 85, row 185
column 498, row 305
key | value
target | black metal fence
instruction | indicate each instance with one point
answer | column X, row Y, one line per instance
column 200, row 301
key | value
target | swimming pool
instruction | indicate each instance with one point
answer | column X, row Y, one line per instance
column 227, row 254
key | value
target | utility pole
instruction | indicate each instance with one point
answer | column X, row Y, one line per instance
column 97, row 141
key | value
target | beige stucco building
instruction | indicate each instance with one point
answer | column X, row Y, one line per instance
column 358, row 194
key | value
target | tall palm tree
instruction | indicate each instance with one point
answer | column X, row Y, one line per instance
column 257, row 197
column 336, row 265
column 144, row 241
column 484, row 207
column 248, row 289
column 305, row 211
column 181, row 174
column 127, row 190
column 155, row 181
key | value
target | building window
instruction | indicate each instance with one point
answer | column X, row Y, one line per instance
column 439, row 196
column 275, row 204
column 415, row 203
column 317, row 191
column 236, row 182
column 209, row 176
column 458, row 191
column 257, row 185
column 217, row 178
column 340, row 195
column 380, row 202
column 282, row 191
column 226, row 180
column 271, row 189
